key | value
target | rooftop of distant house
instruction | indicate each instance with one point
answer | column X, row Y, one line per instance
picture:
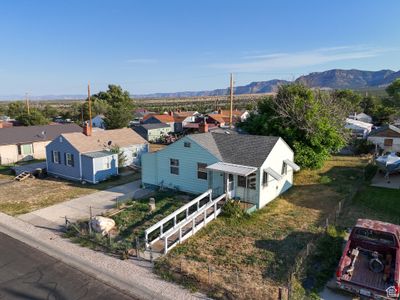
column 30, row 134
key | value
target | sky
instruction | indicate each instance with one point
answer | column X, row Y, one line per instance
column 57, row 47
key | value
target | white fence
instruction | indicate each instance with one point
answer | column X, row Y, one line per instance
column 174, row 216
column 184, row 231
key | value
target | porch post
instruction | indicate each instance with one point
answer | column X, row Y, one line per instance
column 246, row 192
column 226, row 184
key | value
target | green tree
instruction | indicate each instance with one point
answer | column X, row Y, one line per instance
column 49, row 111
column 121, row 155
column 393, row 91
column 312, row 122
column 369, row 105
column 35, row 117
column 119, row 106
column 348, row 99
column 16, row 108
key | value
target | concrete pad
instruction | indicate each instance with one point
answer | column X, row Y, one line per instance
column 53, row 217
column 393, row 182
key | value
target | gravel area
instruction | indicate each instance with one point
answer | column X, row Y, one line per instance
column 133, row 277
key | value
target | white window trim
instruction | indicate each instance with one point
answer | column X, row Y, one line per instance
column 55, row 157
column 67, row 159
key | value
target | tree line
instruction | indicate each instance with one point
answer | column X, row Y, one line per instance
column 312, row 121
column 115, row 104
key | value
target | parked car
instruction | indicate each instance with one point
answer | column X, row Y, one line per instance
column 370, row 263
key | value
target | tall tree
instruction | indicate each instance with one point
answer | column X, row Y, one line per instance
column 16, row 108
column 312, row 122
column 393, row 91
column 35, row 117
column 119, row 106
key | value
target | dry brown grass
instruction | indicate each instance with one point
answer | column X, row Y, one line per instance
column 31, row 194
column 250, row 258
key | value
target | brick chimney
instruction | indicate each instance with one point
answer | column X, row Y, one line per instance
column 219, row 111
column 171, row 113
column 86, row 129
column 203, row 127
column 1, row 124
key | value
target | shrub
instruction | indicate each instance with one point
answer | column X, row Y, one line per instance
column 233, row 210
column 362, row 147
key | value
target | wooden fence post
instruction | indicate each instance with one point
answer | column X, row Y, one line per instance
column 90, row 220
column 280, row 294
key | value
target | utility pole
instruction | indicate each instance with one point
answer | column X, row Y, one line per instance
column 90, row 108
column 27, row 103
column 231, row 96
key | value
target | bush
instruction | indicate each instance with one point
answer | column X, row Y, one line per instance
column 232, row 210
column 362, row 147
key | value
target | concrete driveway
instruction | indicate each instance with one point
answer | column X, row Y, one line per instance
column 53, row 217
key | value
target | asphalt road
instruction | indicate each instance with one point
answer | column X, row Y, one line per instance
column 26, row 273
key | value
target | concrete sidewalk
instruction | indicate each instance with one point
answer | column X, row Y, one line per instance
column 137, row 280
column 53, row 217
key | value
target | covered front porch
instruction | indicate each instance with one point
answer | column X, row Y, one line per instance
column 236, row 181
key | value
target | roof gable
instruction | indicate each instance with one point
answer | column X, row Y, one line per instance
column 386, row 131
column 99, row 140
column 247, row 150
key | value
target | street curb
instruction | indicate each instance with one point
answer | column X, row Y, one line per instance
column 136, row 290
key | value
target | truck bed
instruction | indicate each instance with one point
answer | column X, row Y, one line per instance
column 364, row 277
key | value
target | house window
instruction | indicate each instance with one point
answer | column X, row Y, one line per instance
column 251, row 181
column 25, row 149
column 186, row 144
column 265, row 179
column 202, row 171
column 69, row 159
column 241, row 181
column 174, row 166
column 107, row 163
column 388, row 142
column 284, row 168
column 56, row 157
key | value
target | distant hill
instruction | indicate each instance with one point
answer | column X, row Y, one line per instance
column 251, row 88
column 349, row 79
column 331, row 79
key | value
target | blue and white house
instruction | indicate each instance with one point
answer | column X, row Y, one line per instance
column 250, row 168
column 88, row 157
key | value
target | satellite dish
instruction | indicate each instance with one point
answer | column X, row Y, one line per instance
column 109, row 143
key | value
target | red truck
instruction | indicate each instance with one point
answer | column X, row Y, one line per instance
column 370, row 263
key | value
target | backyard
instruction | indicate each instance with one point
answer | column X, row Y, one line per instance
column 19, row 197
column 250, row 257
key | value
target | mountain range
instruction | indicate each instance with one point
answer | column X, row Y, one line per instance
column 331, row 79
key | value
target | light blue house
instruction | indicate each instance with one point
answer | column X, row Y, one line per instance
column 250, row 168
column 88, row 156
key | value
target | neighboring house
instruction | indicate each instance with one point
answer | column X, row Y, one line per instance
column 98, row 122
column 140, row 113
column 363, row 117
column 386, row 137
column 217, row 120
column 86, row 156
column 152, row 132
column 21, row 143
column 237, row 115
column 359, row 129
column 254, row 169
column 164, row 118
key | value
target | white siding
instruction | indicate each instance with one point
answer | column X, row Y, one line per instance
column 279, row 153
column 378, row 140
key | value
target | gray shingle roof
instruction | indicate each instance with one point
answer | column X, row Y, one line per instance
column 29, row 134
column 384, row 128
column 247, row 150
column 155, row 126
